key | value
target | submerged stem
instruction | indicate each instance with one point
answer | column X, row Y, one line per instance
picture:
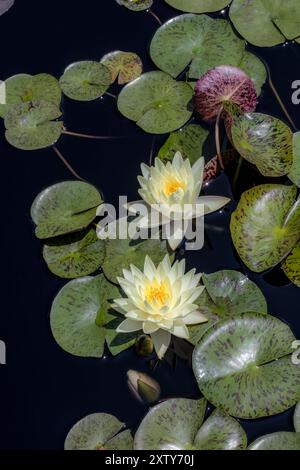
column 237, row 172
column 282, row 105
column 155, row 16
column 217, row 139
column 88, row 136
column 58, row 153
column 110, row 94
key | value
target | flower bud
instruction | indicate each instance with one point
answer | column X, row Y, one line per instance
column 143, row 387
column 144, row 346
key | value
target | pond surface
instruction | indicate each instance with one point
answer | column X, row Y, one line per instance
column 44, row 391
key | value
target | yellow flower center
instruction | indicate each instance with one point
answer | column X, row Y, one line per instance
column 172, row 185
column 157, row 292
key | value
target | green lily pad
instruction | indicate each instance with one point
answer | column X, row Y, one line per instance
column 177, row 424
column 75, row 255
column 31, row 126
column 85, row 81
column 244, row 367
column 156, row 102
column 120, row 254
column 82, row 320
column 136, row 5
column 266, row 225
column 64, row 208
column 291, row 265
column 126, row 66
column 99, row 431
column 264, row 141
column 189, row 141
column 198, row 6
column 277, row 441
column 294, row 173
column 264, row 23
column 297, row 418
column 25, row 88
column 202, row 43
column 227, row 294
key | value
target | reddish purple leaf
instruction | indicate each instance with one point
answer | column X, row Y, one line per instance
column 221, row 85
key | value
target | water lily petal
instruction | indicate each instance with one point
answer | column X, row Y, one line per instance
column 194, row 318
column 129, row 325
column 150, row 327
column 161, row 341
column 212, row 203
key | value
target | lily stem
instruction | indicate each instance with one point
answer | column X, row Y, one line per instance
column 110, row 94
column 155, row 16
column 282, row 105
column 88, row 136
column 59, row 154
column 237, row 172
column 217, row 139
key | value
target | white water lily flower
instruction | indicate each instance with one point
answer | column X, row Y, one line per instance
column 173, row 190
column 160, row 301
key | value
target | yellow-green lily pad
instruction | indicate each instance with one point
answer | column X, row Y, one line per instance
column 124, row 66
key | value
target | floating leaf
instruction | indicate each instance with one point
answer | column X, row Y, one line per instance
column 5, row 5
column 294, row 173
column 136, row 5
column 221, row 85
column 24, row 88
column 291, row 265
column 121, row 253
column 198, row 6
column 244, row 366
column 297, row 418
column 64, row 208
column 31, row 126
column 266, row 225
column 85, row 81
column 264, row 141
column 227, row 294
column 126, row 66
column 265, row 23
column 75, row 255
column 277, row 441
column 255, row 69
column 177, row 424
column 99, row 431
column 156, row 102
column 188, row 141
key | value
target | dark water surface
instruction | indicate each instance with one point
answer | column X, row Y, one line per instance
column 43, row 390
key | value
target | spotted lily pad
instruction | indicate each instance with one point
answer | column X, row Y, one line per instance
column 264, row 23
column 264, row 141
column 85, row 81
column 31, row 126
column 126, row 66
column 294, row 173
column 136, row 5
column 25, row 88
column 244, row 367
column 277, row 441
column 198, row 6
column 189, row 141
column 297, row 418
column 121, row 253
column 64, row 208
column 202, row 43
column 99, row 431
column 75, row 255
column 266, row 225
column 291, row 265
column 227, row 294
column 177, row 424
column 222, row 85
column 156, row 102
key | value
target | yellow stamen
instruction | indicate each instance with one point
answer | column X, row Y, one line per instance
column 172, row 185
column 157, row 291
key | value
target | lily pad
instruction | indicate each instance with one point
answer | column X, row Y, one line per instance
column 297, row 418
column 189, row 141
column 31, row 126
column 25, row 88
column 294, row 173
column 121, row 253
column 75, row 255
column 99, row 431
column 265, row 23
column 126, row 66
column 244, row 367
column 85, row 81
column 227, row 294
column 136, row 5
column 264, row 141
column 5, row 5
column 223, row 85
column 198, row 6
column 64, row 208
column 277, row 441
column 291, row 265
column 156, row 102
column 255, row 69
column 177, row 424
column 266, row 225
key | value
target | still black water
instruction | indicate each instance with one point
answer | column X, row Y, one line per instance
column 43, row 390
